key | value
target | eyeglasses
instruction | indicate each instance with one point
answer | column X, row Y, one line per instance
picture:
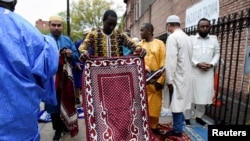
column 58, row 25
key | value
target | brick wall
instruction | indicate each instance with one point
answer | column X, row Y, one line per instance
column 231, row 6
column 42, row 25
column 158, row 12
column 161, row 9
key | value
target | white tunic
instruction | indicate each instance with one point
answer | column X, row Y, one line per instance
column 204, row 50
column 178, row 70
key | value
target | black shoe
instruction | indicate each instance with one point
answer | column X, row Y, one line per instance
column 156, row 131
column 57, row 136
column 200, row 121
column 66, row 131
column 187, row 122
column 78, row 102
column 172, row 133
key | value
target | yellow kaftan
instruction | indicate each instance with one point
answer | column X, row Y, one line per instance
column 154, row 60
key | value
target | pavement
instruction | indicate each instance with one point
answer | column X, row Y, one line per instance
column 47, row 133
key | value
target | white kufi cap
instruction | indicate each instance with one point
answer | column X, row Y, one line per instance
column 55, row 18
column 173, row 19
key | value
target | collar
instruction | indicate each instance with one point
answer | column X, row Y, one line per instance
column 144, row 40
column 106, row 34
column 199, row 37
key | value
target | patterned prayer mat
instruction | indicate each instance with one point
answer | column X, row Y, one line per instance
column 114, row 99
column 195, row 132
column 168, row 127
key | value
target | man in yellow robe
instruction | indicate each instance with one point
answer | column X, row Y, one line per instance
column 154, row 60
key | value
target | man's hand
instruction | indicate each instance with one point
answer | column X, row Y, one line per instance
column 158, row 86
column 141, row 51
column 79, row 66
column 66, row 51
column 204, row 66
column 84, row 56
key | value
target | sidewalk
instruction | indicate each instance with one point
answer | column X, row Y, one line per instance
column 47, row 132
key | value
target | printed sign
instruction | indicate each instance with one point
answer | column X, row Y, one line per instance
column 205, row 9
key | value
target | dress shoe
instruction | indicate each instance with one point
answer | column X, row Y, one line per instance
column 200, row 121
column 57, row 136
column 187, row 121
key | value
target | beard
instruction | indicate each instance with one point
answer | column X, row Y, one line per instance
column 203, row 34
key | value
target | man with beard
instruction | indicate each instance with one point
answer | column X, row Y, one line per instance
column 63, row 115
column 206, row 53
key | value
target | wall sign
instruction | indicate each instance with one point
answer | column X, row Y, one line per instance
column 204, row 9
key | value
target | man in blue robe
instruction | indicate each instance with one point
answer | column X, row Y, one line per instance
column 64, row 114
column 28, row 62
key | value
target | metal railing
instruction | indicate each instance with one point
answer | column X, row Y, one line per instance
column 231, row 105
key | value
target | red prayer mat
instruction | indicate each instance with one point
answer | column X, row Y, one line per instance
column 168, row 127
column 114, row 99
column 65, row 88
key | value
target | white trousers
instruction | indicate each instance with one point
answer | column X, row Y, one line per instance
column 198, row 109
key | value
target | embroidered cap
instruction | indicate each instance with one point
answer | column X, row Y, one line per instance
column 55, row 18
column 173, row 19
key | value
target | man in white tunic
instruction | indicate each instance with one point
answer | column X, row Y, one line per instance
column 178, row 74
column 206, row 53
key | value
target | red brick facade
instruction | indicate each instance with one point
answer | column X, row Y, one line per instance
column 159, row 10
column 42, row 25
column 233, row 34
